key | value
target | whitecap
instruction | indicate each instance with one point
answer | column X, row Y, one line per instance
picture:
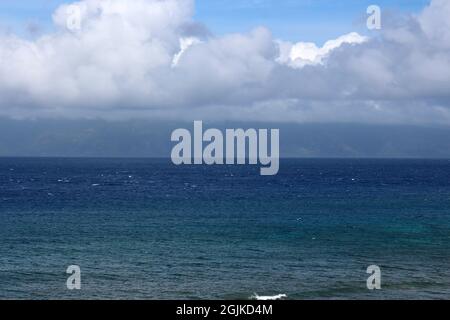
column 268, row 298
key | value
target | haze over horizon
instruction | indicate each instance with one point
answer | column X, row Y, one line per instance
column 143, row 138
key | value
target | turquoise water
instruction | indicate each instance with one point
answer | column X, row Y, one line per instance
column 145, row 229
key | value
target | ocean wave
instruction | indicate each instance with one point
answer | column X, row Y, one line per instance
column 267, row 298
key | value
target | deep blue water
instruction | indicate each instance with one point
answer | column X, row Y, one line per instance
column 146, row 229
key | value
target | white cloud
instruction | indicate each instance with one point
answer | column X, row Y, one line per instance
column 185, row 43
column 307, row 53
column 435, row 22
column 143, row 58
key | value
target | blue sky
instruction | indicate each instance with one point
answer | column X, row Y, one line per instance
column 294, row 20
column 306, row 20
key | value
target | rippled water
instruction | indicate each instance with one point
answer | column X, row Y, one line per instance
column 145, row 229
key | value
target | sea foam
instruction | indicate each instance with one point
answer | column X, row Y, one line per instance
column 267, row 298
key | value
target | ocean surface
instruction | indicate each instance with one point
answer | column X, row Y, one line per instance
column 146, row 229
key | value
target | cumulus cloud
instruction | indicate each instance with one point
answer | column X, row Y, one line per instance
column 149, row 58
column 185, row 43
column 302, row 54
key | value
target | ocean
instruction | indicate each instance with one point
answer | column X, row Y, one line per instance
column 146, row 229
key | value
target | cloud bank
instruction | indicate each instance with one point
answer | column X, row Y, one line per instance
column 150, row 59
